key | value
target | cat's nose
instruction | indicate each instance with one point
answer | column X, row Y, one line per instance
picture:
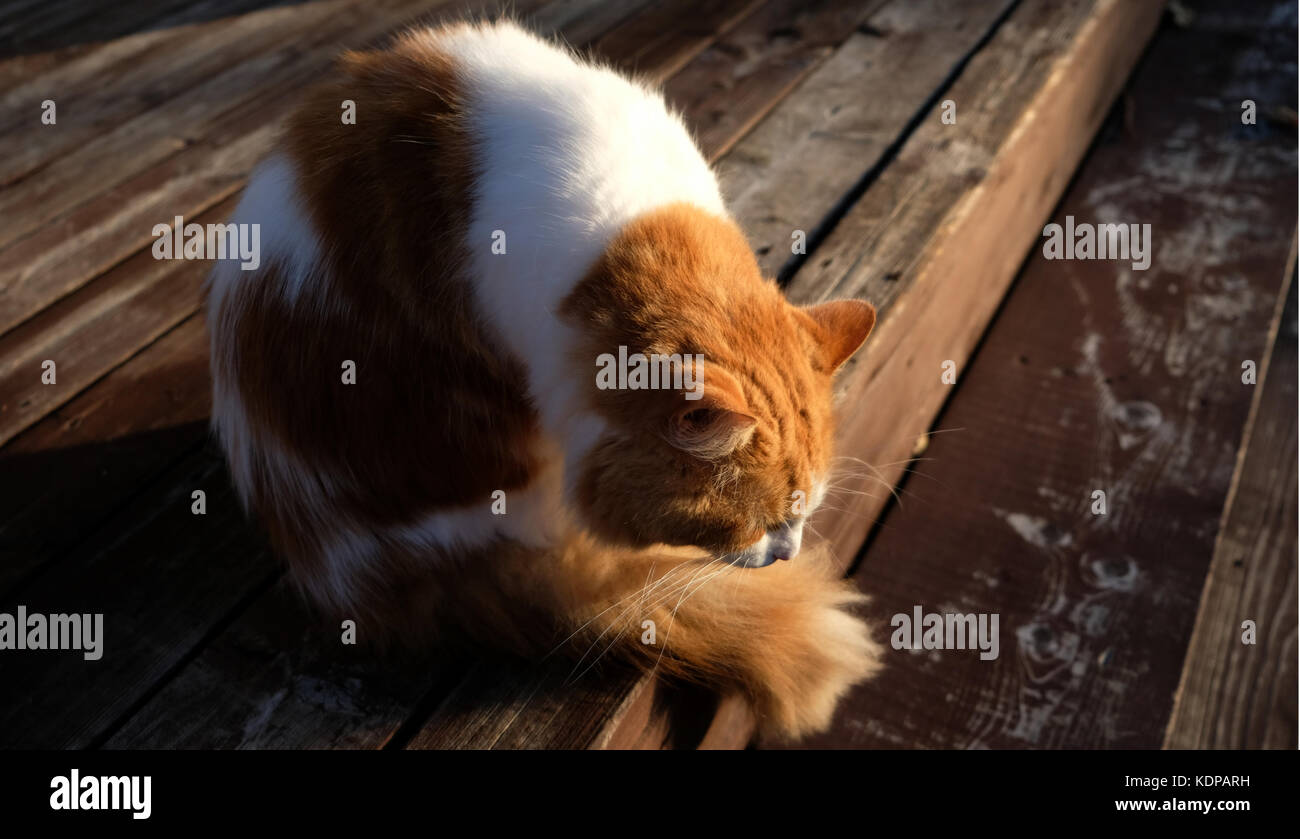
column 786, row 544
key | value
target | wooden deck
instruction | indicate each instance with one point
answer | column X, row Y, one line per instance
column 825, row 118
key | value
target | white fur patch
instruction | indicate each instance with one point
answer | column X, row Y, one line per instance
column 568, row 155
column 288, row 238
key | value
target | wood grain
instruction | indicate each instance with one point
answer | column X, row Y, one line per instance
column 506, row 704
column 280, row 677
column 27, row 26
column 163, row 578
column 937, row 239
column 581, row 22
column 727, row 89
column 1095, row 377
column 1234, row 695
column 797, row 168
column 663, row 37
column 81, row 466
column 122, row 78
column 95, row 329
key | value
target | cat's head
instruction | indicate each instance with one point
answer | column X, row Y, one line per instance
column 715, row 391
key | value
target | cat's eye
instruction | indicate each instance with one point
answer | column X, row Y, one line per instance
column 697, row 417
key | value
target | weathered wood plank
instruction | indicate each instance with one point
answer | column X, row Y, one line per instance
column 163, row 578
column 727, row 89
column 1096, row 377
column 857, row 105
column 79, row 248
column 297, row 685
column 939, row 236
column 80, row 466
column 660, row 40
column 51, row 24
column 1233, row 695
column 506, row 704
column 95, row 329
column 581, row 22
column 120, row 79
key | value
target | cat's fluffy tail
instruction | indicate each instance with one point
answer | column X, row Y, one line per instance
column 785, row 635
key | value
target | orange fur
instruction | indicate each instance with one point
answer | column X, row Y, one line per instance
column 683, row 281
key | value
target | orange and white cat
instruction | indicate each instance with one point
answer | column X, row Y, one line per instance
column 407, row 393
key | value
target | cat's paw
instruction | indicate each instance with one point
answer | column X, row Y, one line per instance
column 809, row 670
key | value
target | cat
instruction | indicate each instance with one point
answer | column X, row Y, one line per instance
column 406, row 388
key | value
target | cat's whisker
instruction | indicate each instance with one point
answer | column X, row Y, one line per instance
column 926, row 433
column 847, row 477
column 849, row 512
column 943, row 431
column 850, row 491
column 847, row 491
column 892, row 463
column 842, row 476
column 673, row 584
column 881, row 478
column 907, row 460
column 926, row 476
column 641, row 592
column 673, row 617
column 623, row 631
column 691, row 593
column 894, row 490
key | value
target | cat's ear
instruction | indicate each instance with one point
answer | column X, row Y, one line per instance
column 843, row 326
column 715, row 424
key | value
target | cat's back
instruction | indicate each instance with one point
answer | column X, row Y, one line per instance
column 399, row 356
column 543, row 118
column 566, row 153
column 470, row 153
